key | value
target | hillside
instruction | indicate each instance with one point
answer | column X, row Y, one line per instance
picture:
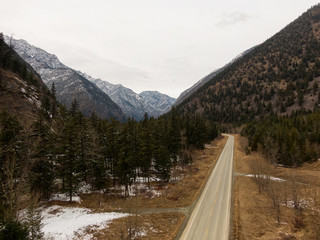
column 158, row 103
column 69, row 84
column 279, row 76
column 188, row 92
column 22, row 92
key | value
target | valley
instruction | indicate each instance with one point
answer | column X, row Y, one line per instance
column 235, row 156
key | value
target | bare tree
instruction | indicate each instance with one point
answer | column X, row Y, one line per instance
column 13, row 187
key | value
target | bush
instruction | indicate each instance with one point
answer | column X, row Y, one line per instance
column 14, row 231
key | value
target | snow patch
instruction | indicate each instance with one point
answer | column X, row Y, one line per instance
column 266, row 177
column 301, row 203
column 61, row 223
column 84, row 188
column 65, row 198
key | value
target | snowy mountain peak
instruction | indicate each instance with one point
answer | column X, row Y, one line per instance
column 35, row 56
column 89, row 91
column 133, row 104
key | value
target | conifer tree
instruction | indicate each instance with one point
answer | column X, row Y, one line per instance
column 145, row 148
column 33, row 220
column 161, row 153
column 42, row 169
column 13, row 162
column 124, row 169
column 71, row 150
column 174, row 136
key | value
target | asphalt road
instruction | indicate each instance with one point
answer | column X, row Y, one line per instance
column 210, row 218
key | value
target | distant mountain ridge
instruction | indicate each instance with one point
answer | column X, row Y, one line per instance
column 68, row 83
column 135, row 105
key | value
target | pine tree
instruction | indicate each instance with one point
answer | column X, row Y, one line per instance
column 174, row 136
column 53, row 90
column 112, row 147
column 124, row 170
column 145, row 148
column 42, row 170
column 162, row 162
column 71, row 151
column 33, row 220
column 13, row 162
column 13, row 230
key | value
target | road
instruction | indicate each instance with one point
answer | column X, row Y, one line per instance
column 210, row 218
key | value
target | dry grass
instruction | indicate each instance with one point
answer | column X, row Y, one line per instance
column 148, row 226
column 270, row 214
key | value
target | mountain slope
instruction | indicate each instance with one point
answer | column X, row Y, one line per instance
column 161, row 103
column 188, row 92
column 133, row 104
column 279, row 76
column 22, row 92
column 68, row 83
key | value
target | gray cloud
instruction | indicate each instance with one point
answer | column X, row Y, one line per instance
column 232, row 18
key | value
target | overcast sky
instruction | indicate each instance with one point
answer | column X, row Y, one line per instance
column 163, row 45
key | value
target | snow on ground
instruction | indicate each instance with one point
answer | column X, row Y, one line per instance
column 302, row 203
column 84, row 188
column 266, row 177
column 66, row 223
column 64, row 198
column 140, row 188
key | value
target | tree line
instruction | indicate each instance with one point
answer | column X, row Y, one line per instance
column 287, row 140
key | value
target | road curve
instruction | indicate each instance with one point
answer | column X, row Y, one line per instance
column 210, row 218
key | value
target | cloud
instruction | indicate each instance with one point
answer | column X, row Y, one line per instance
column 232, row 18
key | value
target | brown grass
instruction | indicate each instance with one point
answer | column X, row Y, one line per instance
column 255, row 215
column 148, row 226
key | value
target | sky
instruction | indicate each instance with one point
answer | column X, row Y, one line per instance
column 163, row 45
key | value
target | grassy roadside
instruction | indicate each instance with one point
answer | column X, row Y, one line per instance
column 274, row 209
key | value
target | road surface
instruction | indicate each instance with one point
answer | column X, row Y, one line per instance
column 210, row 218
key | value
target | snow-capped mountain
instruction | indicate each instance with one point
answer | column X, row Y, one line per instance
column 106, row 99
column 187, row 93
column 69, row 83
column 133, row 104
column 160, row 102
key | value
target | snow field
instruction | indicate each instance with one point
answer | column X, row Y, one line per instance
column 64, row 223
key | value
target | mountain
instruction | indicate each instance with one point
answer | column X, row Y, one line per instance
column 281, row 76
column 187, row 93
column 161, row 103
column 22, row 92
column 69, row 83
column 133, row 104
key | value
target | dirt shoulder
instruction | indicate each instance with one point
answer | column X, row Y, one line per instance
column 280, row 204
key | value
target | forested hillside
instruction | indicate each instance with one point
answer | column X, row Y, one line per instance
column 289, row 141
column 279, row 76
